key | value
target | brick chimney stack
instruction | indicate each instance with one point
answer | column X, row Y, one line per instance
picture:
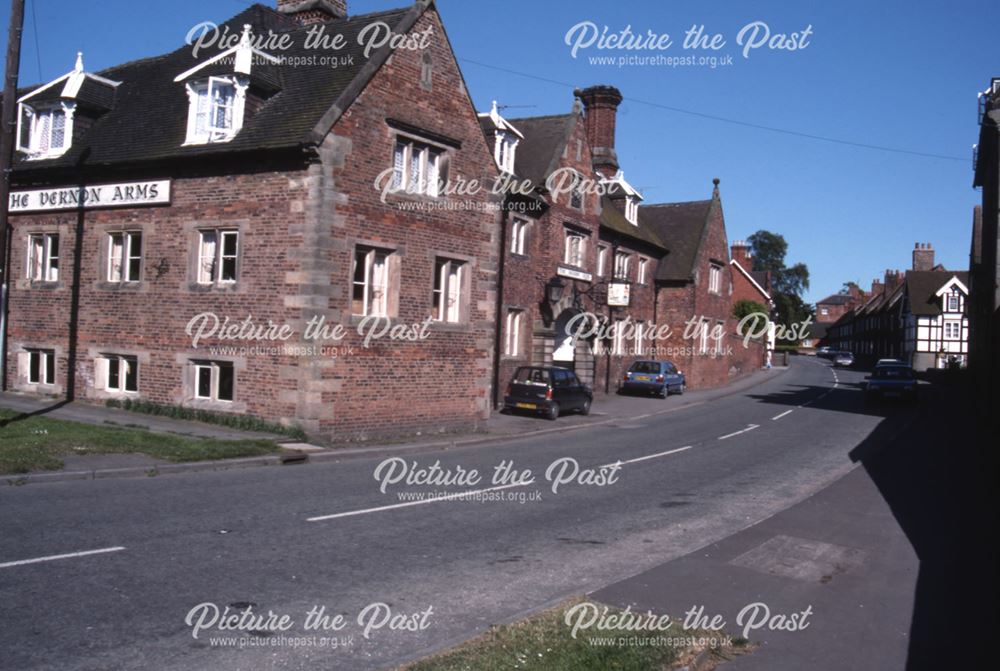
column 600, row 105
column 309, row 12
column 923, row 256
column 892, row 279
column 877, row 286
column 740, row 252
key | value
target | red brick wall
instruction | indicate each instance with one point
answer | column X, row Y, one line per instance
column 744, row 289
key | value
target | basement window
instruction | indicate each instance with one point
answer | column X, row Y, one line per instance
column 41, row 366
column 214, row 380
column 120, row 373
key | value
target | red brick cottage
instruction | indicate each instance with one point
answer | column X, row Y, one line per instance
column 241, row 185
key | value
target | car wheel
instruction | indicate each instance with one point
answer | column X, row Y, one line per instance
column 585, row 408
column 680, row 389
column 665, row 391
column 553, row 411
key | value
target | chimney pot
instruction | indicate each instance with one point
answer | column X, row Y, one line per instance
column 309, row 12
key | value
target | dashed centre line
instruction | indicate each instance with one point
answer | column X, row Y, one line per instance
column 68, row 555
column 751, row 427
column 779, row 416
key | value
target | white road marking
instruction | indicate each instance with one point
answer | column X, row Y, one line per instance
column 647, row 457
column 410, row 504
column 68, row 555
column 751, row 427
column 470, row 493
column 786, row 412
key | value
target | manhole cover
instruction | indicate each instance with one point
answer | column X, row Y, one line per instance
column 800, row 558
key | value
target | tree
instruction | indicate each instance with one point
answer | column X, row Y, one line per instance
column 745, row 307
column 769, row 251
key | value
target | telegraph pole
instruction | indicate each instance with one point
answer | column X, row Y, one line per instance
column 8, row 127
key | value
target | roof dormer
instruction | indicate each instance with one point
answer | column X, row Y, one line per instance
column 46, row 115
column 619, row 189
column 505, row 139
column 217, row 91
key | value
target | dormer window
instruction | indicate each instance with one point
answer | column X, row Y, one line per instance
column 216, row 104
column 45, row 132
column 216, row 109
column 45, row 115
column 505, row 138
column 632, row 210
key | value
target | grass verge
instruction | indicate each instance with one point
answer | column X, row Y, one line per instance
column 545, row 642
column 36, row 443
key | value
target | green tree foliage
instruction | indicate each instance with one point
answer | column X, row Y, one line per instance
column 787, row 283
column 745, row 307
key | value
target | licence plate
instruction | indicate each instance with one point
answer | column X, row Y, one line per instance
column 642, row 378
column 527, row 406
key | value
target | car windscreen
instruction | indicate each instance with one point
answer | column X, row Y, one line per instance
column 645, row 367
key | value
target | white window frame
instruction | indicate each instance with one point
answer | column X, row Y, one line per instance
column 952, row 330
column 43, row 257
column 38, row 130
column 121, row 254
column 46, row 366
column 958, row 303
column 575, row 249
column 641, row 274
column 512, row 341
column 518, row 235
column 212, row 257
column 417, row 167
column 715, row 279
column 449, row 290
column 618, row 342
column 213, row 370
column 202, row 102
column 704, row 325
column 504, row 151
column 622, row 262
column 632, row 210
column 602, row 260
column 125, row 364
column 640, row 344
column 374, row 281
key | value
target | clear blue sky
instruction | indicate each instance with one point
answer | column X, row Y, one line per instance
column 899, row 74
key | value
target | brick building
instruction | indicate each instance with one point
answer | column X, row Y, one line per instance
column 238, row 184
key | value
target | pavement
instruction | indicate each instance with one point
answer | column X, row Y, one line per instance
column 886, row 564
column 607, row 408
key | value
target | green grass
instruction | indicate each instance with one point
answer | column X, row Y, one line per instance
column 36, row 443
column 544, row 643
column 242, row 422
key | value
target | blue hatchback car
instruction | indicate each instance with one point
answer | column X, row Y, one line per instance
column 656, row 377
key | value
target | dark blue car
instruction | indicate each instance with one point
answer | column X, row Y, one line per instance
column 653, row 377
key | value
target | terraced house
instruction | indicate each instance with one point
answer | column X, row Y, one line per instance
column 237, row 185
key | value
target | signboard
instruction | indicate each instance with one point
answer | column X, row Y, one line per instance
column 619, row 294
column 126, row 194
column 574, row 274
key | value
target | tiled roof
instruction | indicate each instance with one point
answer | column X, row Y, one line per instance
column 613, row 219
column 545, row 137
column 149, row 118
column 681, row 227
column 922, row 285
column 836, row 299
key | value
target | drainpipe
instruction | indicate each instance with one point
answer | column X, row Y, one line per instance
column 499, row 320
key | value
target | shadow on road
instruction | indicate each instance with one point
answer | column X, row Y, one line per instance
column 28, row 415
column 933, row 474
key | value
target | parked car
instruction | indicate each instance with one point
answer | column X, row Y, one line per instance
column 889, row 362
column 843, row 359
column 656, row 377
column 892, row 382
column 825, row 352
column 547, row 391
